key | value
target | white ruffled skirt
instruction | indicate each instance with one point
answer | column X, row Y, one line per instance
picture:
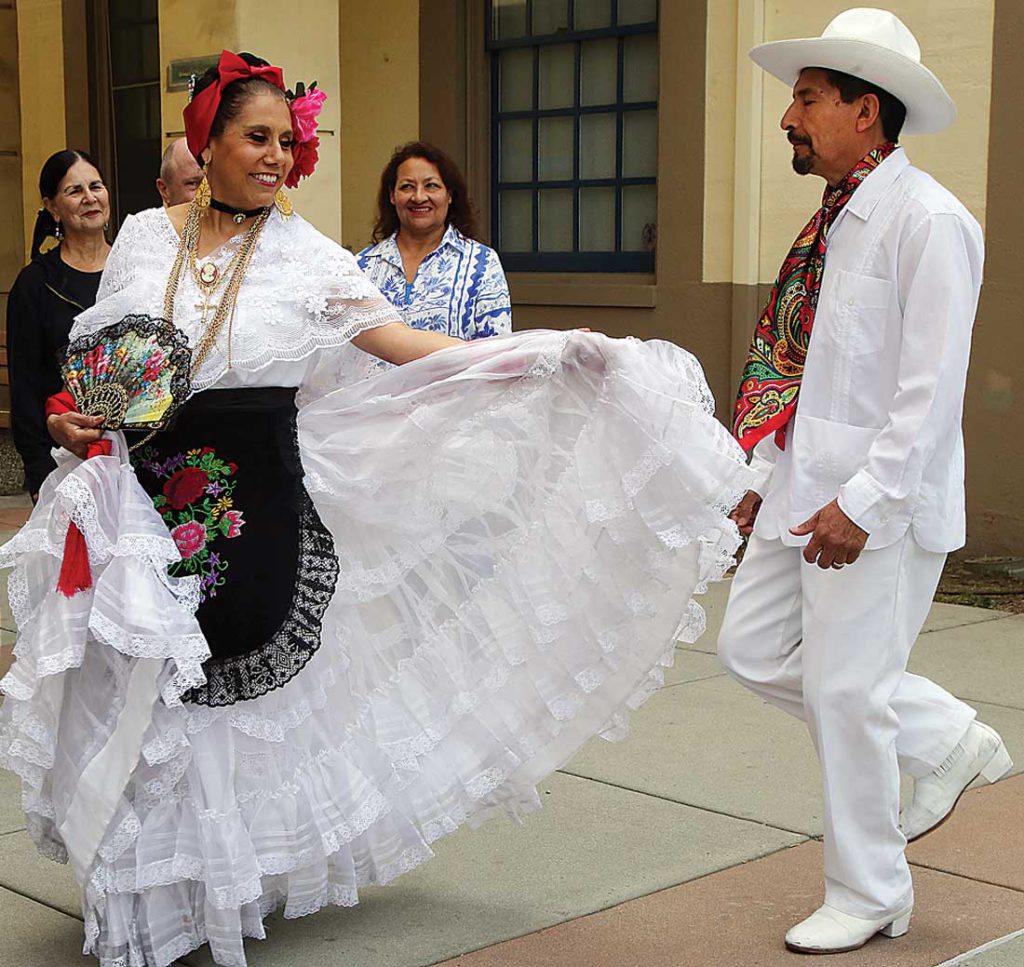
column 521, row 526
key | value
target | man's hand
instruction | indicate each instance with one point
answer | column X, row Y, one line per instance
column 835, row 539
column 746, row 512
column 74, row 431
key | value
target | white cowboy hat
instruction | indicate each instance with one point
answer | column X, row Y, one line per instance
column 876, row 46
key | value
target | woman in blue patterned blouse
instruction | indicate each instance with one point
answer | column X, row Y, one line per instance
column 426, row 259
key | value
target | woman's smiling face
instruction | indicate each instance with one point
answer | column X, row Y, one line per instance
column 81, row 203
column 250, row 161
column 420, row 197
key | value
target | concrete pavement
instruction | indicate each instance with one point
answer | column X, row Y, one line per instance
column 693, row 843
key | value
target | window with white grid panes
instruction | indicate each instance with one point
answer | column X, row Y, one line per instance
column 574, row 131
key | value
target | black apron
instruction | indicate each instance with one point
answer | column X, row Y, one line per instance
column 227, row 478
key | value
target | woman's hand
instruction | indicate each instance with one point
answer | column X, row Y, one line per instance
column 74, row 431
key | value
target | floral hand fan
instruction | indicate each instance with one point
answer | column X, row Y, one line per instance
column 134, row 374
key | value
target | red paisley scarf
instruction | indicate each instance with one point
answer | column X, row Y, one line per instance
column 775, row 364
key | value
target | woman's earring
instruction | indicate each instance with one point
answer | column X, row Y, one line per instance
column 283, row 204
column 58, row 232
column 203, row 191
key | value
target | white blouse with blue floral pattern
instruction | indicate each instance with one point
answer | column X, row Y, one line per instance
column 459, row 289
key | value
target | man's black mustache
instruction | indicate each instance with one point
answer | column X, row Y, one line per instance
column 796, row 139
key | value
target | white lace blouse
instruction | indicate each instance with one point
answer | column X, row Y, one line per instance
column 302, row 301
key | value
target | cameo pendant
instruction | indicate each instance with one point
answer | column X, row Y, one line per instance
column 208, row 273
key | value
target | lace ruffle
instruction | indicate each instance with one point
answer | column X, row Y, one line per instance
column 132, row 611
column 275, row 320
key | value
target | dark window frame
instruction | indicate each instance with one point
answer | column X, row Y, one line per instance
column 575, row 261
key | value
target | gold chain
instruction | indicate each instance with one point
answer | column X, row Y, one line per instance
column 225, row 308
column 209, row 289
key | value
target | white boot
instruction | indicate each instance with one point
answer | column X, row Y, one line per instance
column 980, row 752
column 830, row 931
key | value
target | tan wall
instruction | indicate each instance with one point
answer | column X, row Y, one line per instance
column 444, row 93
column 76, row 75
column 52, row 92
column 190, row 28
column 380, row 84
column 304, row 44
column 12, row 226
column 995, row 388
column 720, row 132
column 455, row 94
column 43, row 129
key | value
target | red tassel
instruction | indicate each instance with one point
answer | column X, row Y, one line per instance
column 75, row 574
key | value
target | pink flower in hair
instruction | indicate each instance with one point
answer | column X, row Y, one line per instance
column 305, row 105
column 305, row 110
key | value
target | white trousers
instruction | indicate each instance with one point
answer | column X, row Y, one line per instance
column 831, row 648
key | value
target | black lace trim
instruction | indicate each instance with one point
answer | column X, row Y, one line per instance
column 241, row 678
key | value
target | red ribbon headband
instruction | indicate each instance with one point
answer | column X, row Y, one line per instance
column 202, row 108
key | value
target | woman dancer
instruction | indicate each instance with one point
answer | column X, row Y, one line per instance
column 321, row 638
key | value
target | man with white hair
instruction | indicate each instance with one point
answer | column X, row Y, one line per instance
column 851, row 402
column 180, row 175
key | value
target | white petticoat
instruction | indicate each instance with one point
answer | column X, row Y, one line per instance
column 521, row 524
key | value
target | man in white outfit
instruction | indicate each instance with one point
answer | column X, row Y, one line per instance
column 851, row 403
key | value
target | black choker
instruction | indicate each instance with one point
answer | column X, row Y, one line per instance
column 238, row 215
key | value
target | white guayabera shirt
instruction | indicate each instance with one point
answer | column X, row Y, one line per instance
column 459, row 289
column 878, row 423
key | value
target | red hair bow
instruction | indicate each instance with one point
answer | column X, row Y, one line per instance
column 202, row 108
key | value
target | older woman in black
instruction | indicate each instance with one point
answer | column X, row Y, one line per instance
column 47, row 295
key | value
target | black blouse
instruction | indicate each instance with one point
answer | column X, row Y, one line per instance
column 45, row 298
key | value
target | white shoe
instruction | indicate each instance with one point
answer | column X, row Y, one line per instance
column 980, row 752
column 830, row 931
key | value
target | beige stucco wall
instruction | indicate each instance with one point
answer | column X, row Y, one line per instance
column 190, row 28
column 304, row 44
column 720, row 107
column 43, row 129
column 380, row 83
column 12, row 228
column 956, row 42
column 995, row 386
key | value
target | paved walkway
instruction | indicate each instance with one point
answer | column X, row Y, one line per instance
column 693, row 844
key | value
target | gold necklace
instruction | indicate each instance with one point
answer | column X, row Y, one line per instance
column 225, row 310
column 206, row 273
